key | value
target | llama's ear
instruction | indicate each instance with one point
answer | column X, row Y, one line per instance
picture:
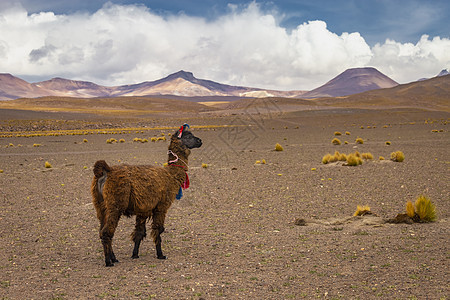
column 183, row 127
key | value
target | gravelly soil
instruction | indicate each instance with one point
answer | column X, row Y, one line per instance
column 232, row 235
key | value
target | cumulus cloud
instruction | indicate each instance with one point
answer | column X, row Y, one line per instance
column 246, row 46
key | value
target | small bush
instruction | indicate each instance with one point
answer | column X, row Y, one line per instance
column 257, row 162
column 205, row 166
column 359, row 141
column 326, row 158
column 367, row 155
column 263, row 161
column 381, row 158
column 410, row 209
column 353, row 160
column 347, row 133
column 337, row 133
column 425, row 209
column 362, row 210
column 85, row 140
column 47, row 165
column 336, row 141
column 342, row 157
column 278, row 147
column 397, row 156
column 37, row 145
column 388, row 143
column 121, row 141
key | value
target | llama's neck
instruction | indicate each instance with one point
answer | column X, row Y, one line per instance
column 177, row 166
column 177, row 160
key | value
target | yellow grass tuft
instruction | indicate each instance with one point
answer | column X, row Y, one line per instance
column 326, row 158
column 1, row 171
column 347, row 133
column 278, row 147
column 425, row 209
column 388, row 143
column 353, row 160
column 336, row 141
column 381, row 158
column 85, row 140
column 205, row 166
column 337, row 133
column 362, row 210
column 47, row 165
column 367, row 155
column 263, row 162
column 410, row 209
column 397, row 156
column 258, row 162
column 343, row 157
column 37, row 145
column 359, row 141
column 121, row 141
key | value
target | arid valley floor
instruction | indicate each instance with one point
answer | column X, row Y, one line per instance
column 233, row 234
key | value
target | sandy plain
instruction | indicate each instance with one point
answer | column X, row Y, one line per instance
column 233, row 234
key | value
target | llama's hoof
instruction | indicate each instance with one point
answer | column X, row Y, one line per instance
column 135, row 256
column 162, row 257
column 109, row 264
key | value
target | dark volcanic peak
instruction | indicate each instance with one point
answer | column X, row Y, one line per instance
column 353, row 81
column 443, row 73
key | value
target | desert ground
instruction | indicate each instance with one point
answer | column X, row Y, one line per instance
column 233, row 234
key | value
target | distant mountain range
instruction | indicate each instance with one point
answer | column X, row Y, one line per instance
column 184, row 84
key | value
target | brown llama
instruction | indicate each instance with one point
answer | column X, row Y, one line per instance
column 144, row 191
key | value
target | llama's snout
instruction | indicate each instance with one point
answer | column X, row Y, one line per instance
column 198, row 142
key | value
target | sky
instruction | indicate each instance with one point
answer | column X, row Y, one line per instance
column 283, row 45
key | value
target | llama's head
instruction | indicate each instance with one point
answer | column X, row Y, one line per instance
column 183, row 140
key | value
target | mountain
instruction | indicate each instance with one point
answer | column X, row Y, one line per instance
column 73, row 88
column 352, row 81
column 177, row 84
column 443, row 73
column 431, row 93
column 12, row 87
column 181, row 84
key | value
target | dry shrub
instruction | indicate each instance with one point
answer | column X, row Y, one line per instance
column 425, row 209
column 397, row 156
column 278, row 147
column 362, row 210
column 359, row 141
column 336, row 141
column 337, row 133
column 353, row 160
column 47, row 165
column 326, row 158
column 367, row 155
column 205, row 165
column 410, row 209
column 388, row 143
column 347, row 133
column 381, row 158
column 343, row 157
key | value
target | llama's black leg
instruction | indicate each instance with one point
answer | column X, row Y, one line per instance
column 159, row 253
column 158, row 228
column 138, row 235
column 106, row 235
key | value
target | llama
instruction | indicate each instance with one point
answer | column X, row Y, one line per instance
column 144, row 191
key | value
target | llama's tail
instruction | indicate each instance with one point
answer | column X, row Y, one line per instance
column 100, row 168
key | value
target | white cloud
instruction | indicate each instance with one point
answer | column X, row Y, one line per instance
column 130, row 44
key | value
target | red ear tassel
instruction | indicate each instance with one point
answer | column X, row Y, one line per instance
column 180, row 132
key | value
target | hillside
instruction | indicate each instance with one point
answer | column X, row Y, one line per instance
column 352, row 81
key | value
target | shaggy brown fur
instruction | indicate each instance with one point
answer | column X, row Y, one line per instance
column 144, row 191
